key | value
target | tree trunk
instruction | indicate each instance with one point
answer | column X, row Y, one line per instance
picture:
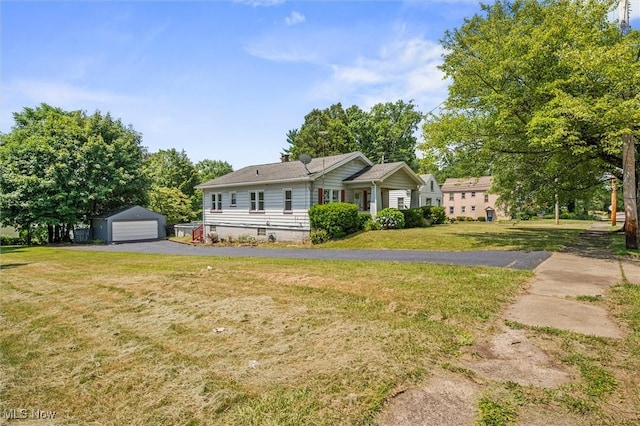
column 50, row 234
column 630, row 191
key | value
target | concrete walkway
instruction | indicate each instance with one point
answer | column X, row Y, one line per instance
column 581, row 272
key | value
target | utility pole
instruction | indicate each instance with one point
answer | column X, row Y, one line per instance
column 629, row 189
column 614, row 199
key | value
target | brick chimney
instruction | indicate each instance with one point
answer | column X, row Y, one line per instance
column 284, row 158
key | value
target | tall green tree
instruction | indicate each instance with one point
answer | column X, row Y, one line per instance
column 386, row 133
column 171, row 168
column 211, row 169
column 542, row 91
column 61, row 167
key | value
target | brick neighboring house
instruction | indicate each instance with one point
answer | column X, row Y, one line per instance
column 469, row 197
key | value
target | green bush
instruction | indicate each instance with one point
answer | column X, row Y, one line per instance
column 338, row 219
column 469, row 219
column 413, row 218
column 482, row 219
column 372, row 225
column 460, row 218
column 437, row 215
column 363, row 219
column 390, row 218
column 319, row 236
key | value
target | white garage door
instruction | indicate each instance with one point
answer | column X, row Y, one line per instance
column 134, row 230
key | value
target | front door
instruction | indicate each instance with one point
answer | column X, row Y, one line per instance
column 358, row 198
column 489, row 215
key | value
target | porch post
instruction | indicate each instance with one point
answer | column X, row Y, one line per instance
column 373, row 203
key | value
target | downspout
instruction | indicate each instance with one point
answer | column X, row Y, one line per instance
column 374, row 197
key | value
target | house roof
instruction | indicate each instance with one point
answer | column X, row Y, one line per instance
column 482, row 183
column 284, row 171
column 126, row 208
column 379, row 172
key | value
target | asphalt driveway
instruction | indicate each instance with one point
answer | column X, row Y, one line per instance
column 504, row 259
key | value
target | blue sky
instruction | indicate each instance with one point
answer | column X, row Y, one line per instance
column 223, row 80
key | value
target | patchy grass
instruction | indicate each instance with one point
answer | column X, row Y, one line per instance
column 121, row 338
column 606, row 389
column 524, row 235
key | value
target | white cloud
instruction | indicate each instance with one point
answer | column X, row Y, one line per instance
column 294, row 18
column 259, row 3
column 405, row 69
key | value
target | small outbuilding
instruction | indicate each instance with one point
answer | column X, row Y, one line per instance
column 131, row 223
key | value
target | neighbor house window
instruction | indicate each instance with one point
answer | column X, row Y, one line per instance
column 463, row 195
column 473, row 208
column 486, row 198
column 450, row 209
column 473, row 194
column 451, row 196
column 216, row 201
column 288, row 200
column 431, row 186
column 463, row 209
column 330, row 196
column 232, row 199
column 256, row 200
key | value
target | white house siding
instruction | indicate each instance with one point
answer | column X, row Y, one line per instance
column 395, row 194
column 334, row 179
column 239, row 221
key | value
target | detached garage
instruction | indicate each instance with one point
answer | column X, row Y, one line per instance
column 132, row 223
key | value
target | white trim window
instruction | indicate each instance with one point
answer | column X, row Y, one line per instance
column 330, row 196
column 233, row 200
column 451, row 196
column 216, row 201
column 486, row 198
column 463, row 209
column 287, row 195
column 256, row 201
column 450, row 209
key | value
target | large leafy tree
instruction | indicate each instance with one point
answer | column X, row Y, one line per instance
column 386, row 133
column 171, row 168
column 541, row 94
column 211, row 169
column 61, row 167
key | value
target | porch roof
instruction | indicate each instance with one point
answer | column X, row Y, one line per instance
column 380, row 172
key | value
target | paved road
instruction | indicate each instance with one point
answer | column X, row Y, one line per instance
column 507, row 259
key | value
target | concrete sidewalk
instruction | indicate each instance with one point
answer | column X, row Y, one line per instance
column 587, row 270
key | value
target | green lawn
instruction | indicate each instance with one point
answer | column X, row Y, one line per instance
column 120, row 338
column 464, row 236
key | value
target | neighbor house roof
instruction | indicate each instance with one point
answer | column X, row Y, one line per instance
column 379, row 172
column 482, row 183
column 284, row 171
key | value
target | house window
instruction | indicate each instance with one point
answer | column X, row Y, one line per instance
column 463, row 209
column 262, row 231
column 463, row 195
column 233, row 200
column 256, row 200
column 216, row 201
column 473, row 208
column 400, row 203
column 486, row 198
column 473, row 194
column 330, row 196
column 288, row 200
column 428, row 202
column 450, row 209
column 431, row 186
column 451, row 196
